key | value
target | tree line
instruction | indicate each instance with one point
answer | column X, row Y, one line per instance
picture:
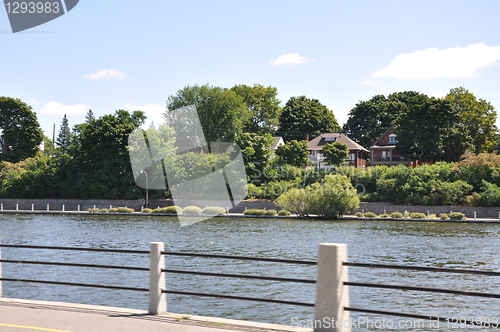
column 91, row 159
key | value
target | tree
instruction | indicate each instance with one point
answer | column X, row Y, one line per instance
column 89, row 117
column 256, row 151
column 369, row 119
column 21, row 132
column 429, row 130
column 222, row 113
column 263, row 105
column 64, row 138
column 477, row 118
column 302, row 116
column 335, row 153
column 330, row 199
column 293, row 153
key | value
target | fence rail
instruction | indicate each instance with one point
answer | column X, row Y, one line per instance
column 332, row 285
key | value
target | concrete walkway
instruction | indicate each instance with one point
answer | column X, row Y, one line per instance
column 25, row 315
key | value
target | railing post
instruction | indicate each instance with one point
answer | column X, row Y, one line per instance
column 157, row 299
column 331, row 294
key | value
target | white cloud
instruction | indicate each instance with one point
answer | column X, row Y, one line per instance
column 153, row 112
column 106, row 74
column 341, row 114
column 57, row 108
column 290, row 59
column 433, row 63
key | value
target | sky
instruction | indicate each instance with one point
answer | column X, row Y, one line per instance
column 121, row 54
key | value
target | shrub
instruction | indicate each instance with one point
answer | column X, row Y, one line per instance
column 406, row 214
column 104, row 210
column 432, row 216
column 457, row 216
column 271, row 212
column 112, row 210
column 370, row 215
column 284, row 213
column 397, row 215
column 147, row 210
column 384, row 215
column 473, row 200
column 160, row 210
column 331, row 199
column 443, row 216
column 417, row 215
column 192, row 210
column 371, row 197
column 254, row 212
column 359, row 214
column 92, row 210
column 173, row 209
column 215, row 210
column 125, row 210
column 491, row 194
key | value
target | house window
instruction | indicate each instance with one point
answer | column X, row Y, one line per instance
column 393, row 138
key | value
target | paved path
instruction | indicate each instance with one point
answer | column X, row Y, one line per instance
column 23, row 315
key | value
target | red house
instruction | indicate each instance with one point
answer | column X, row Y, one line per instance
column 357, row 154
column 383, row 151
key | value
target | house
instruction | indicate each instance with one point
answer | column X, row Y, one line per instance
column 357, row 153
column 278, row 140
column 383, row 151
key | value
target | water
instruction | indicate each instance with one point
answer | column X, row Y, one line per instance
column 453, row 245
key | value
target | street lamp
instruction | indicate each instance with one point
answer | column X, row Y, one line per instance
column 147, row 182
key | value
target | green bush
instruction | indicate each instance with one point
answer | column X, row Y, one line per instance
column 406, row 214
column 370, row 215
column 490, row 195
column 125, row 210
column 331, row 199
column 92, row 210
column 104, row 210
column 271, row 212
column 457, row 216
column 359, row 214
column 443, row 216
column 112, row 210
column 192, row 210
column 173, row 209
column 215, row 210
column 397, row 215
column 147, row 210
column 417, row 215
column 432, row 216
column 285, row 213
column 160, row 210
column 384, row 215
column 473, row 200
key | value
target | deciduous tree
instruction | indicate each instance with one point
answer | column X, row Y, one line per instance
column 293, row 153
column 335, row 153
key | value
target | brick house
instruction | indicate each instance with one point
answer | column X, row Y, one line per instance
column 357, row 154
column 383, row 151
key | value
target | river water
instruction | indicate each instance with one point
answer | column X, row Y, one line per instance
column 452, row 245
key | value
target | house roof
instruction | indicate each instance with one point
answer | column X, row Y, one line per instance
column 277, row 140
column 382, row 136
column 318, row 142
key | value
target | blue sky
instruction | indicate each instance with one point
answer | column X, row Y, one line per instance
column 118, row 54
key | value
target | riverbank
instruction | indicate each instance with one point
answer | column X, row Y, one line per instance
column 241, row 215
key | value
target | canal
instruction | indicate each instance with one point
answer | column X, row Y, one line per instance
column 451, row 245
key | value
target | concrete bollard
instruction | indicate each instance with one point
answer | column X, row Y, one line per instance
column 1, row 206
column 32, row 207
column 157, row 299
column 474, row 215
column 17, row 207
column 78, row 208
column 111, row 206
column 63, row 208
column 331, row 294
column 48, row 207
column 94, row 207
column 363, row 211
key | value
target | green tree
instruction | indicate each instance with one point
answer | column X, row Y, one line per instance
column 429, row 130
column 264, row 106
column 477, row 118
column 256, row 151
column 302, row 116
column 293, row 153
column 333, row 198
column 222, row 113
column 369, row 119
column 21, row 132
column 89, row 117
column 64, row 137
column 335, row 153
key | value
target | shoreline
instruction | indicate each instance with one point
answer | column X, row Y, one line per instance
column 241, row 215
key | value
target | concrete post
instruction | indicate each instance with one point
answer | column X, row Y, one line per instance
column 17, row 207
column 32, row 207
column 331, row 294
column 475, row 215
column 1, row 206
column 157, row 299
column 63, row 208
column 48, row 207
column 78, row 207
